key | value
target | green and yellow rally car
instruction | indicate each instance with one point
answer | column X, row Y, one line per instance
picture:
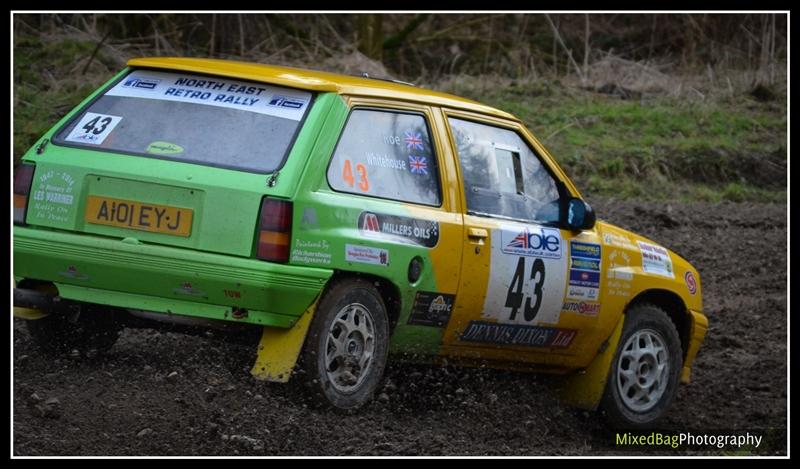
column 345, row 219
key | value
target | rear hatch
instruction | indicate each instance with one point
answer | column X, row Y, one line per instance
column 170, row 158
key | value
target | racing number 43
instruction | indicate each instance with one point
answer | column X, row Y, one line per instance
column 515, row 296
column 92, row 125
column 347, row 175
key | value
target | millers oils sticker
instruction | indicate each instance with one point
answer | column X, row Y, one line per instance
column 399, row 229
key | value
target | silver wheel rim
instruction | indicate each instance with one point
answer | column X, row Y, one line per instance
column 349, row 348
column 643, row 370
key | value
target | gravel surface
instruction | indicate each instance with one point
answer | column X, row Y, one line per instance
column 159, row 393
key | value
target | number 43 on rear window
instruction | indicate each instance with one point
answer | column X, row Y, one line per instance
column 347, row 175
column 93, row 128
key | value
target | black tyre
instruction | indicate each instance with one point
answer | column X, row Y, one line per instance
column 645, row 371
column 344, row 355
column 90, row 330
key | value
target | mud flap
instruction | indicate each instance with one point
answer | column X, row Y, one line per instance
column 697, row 332
column 29, row 313
column 278, row 349
column 585, row 389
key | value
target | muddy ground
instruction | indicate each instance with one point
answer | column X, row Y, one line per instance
column 159, row 393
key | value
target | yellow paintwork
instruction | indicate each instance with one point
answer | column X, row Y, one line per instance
column 585, row 389
column 278, row 349
column 621, row 257
column 315, row 81
column 697, row 332
column 28, row 313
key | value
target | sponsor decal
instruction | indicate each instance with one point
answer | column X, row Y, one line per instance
column 584, row 250
column 141, row 82
column 619, row 266
column 517, row 335
column 582, row 293
column 582, row 278
column 286, row 101
column 527, row 276
column 418, row 164
column 691, row 283
column 413, row 140
column 164, row 148
column 581, row 307
column 188, row 289
column 308, row 221
column 399, row 229
column 586, row 264
column 618, row 288
column 219, row 92
column 93, row 128
column 618, row 240
column 53, row 198
column 584, row 272
column 656, row 260
column 311, row 252
column 72, row 272
column 431, row 309
column 366, row 254
column 532, row 241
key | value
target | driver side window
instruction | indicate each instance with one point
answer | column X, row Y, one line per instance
column 502, row 175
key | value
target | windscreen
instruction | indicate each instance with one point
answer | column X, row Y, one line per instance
column 198, row 119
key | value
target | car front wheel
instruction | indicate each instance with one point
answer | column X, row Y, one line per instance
column 346, row 347
column 645, row 371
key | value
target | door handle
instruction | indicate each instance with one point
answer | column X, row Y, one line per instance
column 477, row 234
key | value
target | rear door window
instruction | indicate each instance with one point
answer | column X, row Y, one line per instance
column 213, row 121
column 386, row 154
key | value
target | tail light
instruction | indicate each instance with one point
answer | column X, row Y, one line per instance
column 22, row 188
column 274, row 230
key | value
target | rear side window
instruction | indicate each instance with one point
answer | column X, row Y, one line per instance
column 388, row 155
column 502, row 175
column 199, row 119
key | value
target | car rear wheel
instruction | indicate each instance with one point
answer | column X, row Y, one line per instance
column 89, row 330
column 645, row 370
column 345, row 351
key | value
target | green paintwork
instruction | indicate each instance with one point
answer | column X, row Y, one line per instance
column 163, row 272
column 171, row 306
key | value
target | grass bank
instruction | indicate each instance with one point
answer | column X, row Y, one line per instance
column 731, row 147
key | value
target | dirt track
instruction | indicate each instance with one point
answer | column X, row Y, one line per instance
column 129, row 402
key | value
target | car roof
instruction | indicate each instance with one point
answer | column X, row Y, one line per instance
column 317, row 81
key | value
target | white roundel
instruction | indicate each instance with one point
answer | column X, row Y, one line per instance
column 527, row 275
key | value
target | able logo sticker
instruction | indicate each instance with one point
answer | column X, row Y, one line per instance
column 164, row 148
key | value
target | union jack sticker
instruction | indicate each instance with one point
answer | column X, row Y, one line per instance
column 418, row 164
column 413, row 140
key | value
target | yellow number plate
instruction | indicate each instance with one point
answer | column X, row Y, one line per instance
column 138, row 216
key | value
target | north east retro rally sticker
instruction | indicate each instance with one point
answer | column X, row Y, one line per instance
column 214, row 91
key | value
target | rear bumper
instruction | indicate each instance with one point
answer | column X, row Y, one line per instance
column 697, row 333
column 166, row 279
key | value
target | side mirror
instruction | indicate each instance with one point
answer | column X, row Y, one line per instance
column 579, row 216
